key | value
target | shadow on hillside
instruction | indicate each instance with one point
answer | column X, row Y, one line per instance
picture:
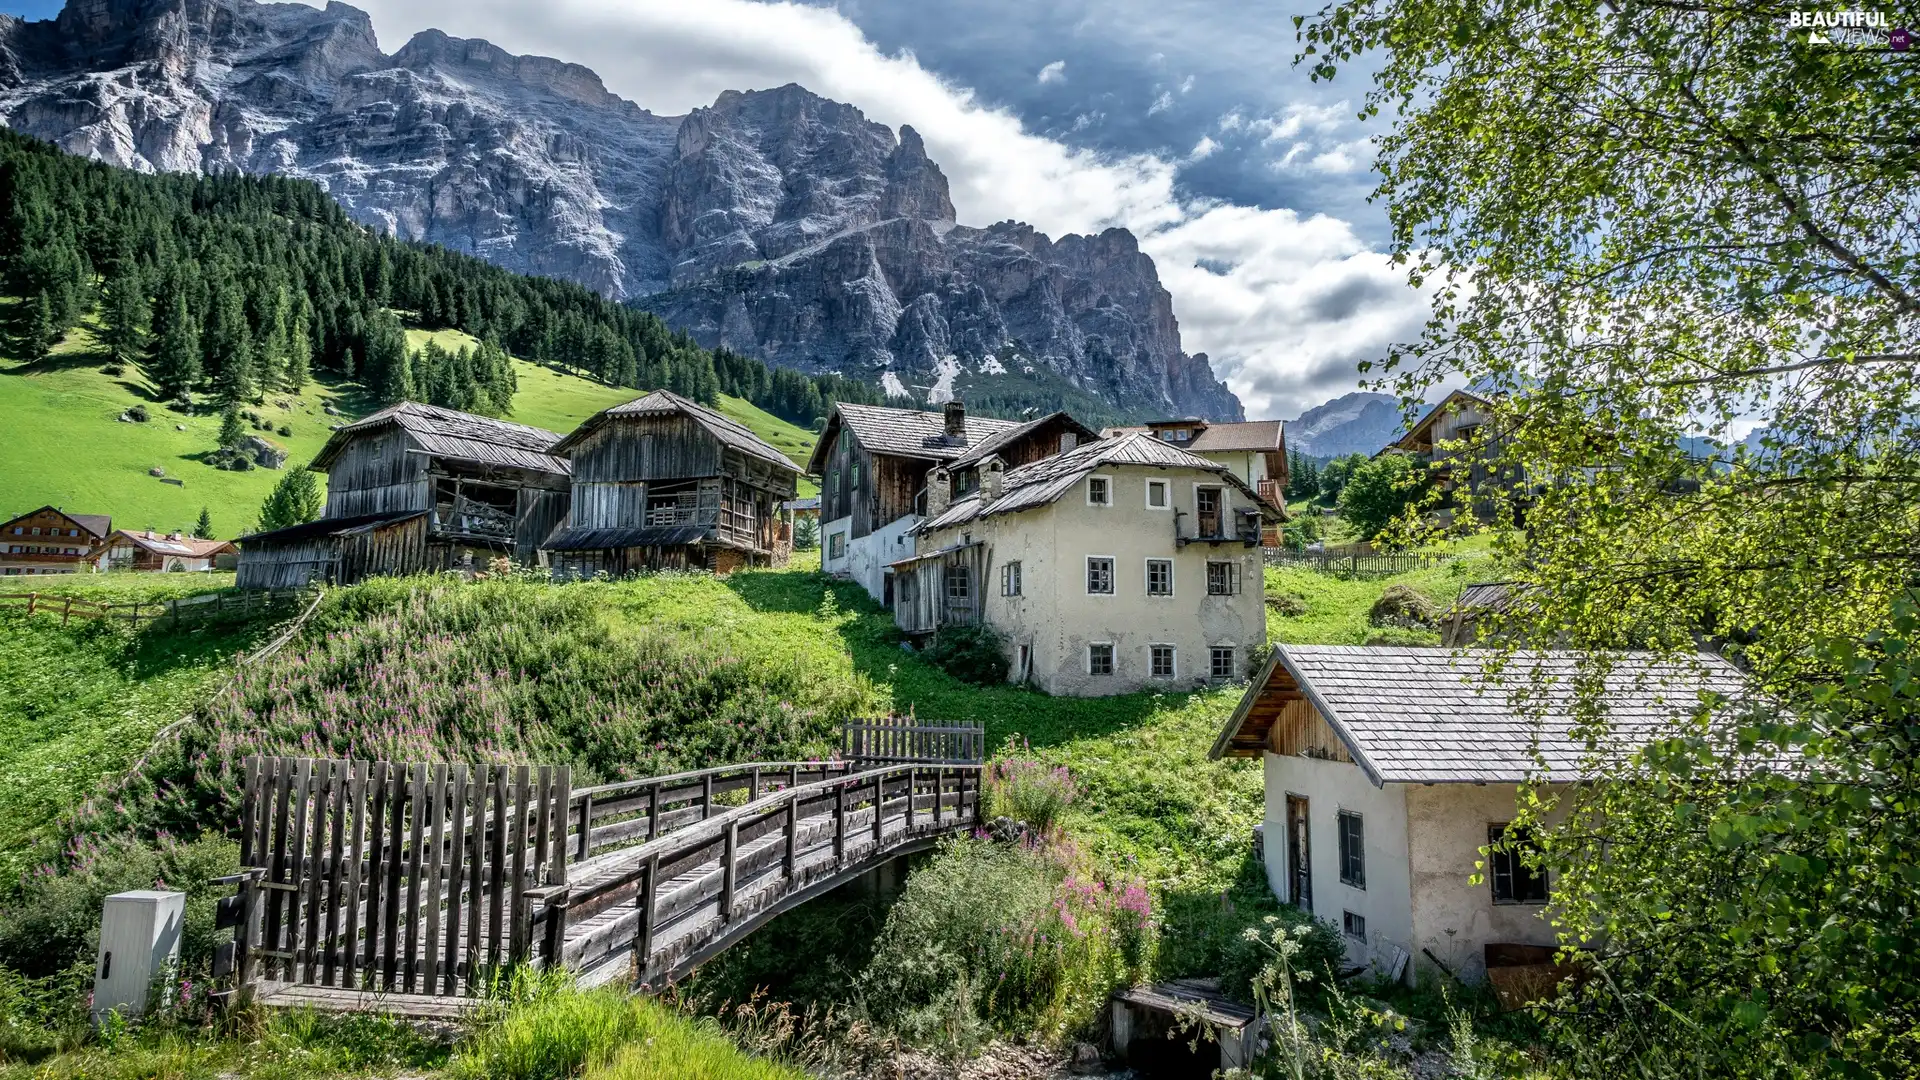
column 919, row 687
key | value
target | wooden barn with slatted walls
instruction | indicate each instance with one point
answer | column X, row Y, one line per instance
column 414, row 488
column 662, row 482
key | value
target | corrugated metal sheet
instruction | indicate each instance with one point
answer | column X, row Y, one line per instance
column 666, row 403
column 578, row 539
column 454, row 434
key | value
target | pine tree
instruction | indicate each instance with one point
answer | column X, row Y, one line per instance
column 299, row 347
column 204, row 527
column 174, row 368
column 127, row 315
column 231, row 429
column 295, row 500
column 41, row 333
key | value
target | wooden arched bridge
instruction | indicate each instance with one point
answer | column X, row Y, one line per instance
column 413, row 887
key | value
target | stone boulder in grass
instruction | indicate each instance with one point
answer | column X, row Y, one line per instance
column 1405, row 606
column 249, row 452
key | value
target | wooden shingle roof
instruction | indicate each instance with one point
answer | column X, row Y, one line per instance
column 1430, row 716
column 914, row 433
column 668, row 403
column 450, row 433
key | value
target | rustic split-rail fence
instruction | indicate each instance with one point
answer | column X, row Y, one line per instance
column 236, row 605
column 414, row 887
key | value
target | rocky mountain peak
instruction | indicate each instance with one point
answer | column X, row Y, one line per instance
column 776, row 222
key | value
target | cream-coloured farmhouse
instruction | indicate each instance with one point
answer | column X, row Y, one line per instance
column 1120, row 565
column 1389, row 770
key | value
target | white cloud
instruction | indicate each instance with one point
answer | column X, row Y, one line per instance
column 1345, row 158
column 1304, row 116
column 1203, row 149
column 1055, row 72
column 1265, row 321
column 1186, row 84
column 1161, row 103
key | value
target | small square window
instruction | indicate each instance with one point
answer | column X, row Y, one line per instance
column 959, row 583
column 1353, row 849
column 1100, row 659
column 1159, row 577
column 1010, row 579
column 1160, row 661
column 1514, row 881
column 1100, row 576
column 1099, row 491
column 1223, row 579
column 1157, row 494
column 837, row 546
column 36, row 530
column 1220, row 662
column 1355, row 926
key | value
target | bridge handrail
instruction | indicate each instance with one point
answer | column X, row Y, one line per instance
column 601, row 817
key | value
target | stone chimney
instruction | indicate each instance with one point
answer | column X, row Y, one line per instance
column 993, row 472
column 939, row 490
column 957, row 420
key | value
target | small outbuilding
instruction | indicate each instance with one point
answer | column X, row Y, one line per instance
column 1390, row 771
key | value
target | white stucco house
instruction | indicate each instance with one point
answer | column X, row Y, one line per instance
column 1120, row 565
column 1388, row 770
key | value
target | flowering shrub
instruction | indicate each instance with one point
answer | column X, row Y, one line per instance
column 1028, row 790
column 1003, row 937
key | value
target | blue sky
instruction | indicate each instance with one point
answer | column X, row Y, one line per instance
column 1182, row 120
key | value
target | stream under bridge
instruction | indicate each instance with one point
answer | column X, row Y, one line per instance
column 414, row 887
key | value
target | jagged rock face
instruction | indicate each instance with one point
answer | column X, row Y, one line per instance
column 775, row 222
column 1356, row 423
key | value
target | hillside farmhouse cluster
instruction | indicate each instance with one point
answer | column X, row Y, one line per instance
column 51, row 541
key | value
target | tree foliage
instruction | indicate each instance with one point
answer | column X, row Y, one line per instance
column 1379, row 491
column 295, row 500
column 1644, row 228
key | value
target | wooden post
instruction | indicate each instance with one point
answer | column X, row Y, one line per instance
column 643, row 932
column 913, row 778
column 879, row 805
column 33, row 599
column 728, row 874
column 653, row 812
column 753, row 784
column 66, row 612
column 706, row 796
column 436, row 865
column 939, row 793
column 586, row 826
column 416, row 822
column 840, row 823
column 793, row 834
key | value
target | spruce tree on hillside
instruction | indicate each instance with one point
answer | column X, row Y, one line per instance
column 229, row 348
column 174, row 367
column 299, row 347
column 231, row 429
column 295, row 500
column 41, row 332
column 203, row 528
column 127, row 315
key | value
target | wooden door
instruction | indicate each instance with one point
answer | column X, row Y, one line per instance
column 1206, row 505
column 1299, row 855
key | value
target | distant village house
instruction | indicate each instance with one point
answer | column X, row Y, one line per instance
column 662, row 482
column 1453, row 442
column 1388, row 770
column 50, row 541
column 147, row 551
column 413, row 488
column 1119, row 565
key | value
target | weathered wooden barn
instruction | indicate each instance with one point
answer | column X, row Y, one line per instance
column 662, row 482
column 413, row 488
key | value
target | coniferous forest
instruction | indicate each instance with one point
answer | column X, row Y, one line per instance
column 223, row 288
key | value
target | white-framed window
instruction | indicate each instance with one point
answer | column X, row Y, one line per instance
column 1220, row 663
column 36, row 530
column 1099, row 491
column 1223, row 578
column 837, row 546
column 1100, row 575
column 1010, row 578
column 1159, row 577
column 1159, row 497
column 1160, row 662
column 1353, row 848
column 1100, row 658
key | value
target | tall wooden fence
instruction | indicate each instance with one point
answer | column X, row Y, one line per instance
column 394, row 877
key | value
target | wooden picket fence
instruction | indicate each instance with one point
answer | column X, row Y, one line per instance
column 901, row 740
column 1354, row 565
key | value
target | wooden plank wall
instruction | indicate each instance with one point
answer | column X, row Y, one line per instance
column 1299, row 730
column 268, row 565
column 394, row 877
column 375, row 473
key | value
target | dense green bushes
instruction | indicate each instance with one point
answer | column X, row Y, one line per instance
column 973, row 654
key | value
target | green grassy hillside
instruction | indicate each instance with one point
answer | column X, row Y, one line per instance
column 66, row 446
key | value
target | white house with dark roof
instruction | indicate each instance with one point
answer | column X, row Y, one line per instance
column 1120, row 565
column 877, row 464
column 1388, row 770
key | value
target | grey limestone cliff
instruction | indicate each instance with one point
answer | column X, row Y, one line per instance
column 775, row 222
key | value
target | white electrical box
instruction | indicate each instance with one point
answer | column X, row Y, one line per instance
column 139, row 950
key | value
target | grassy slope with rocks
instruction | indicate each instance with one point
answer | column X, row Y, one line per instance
column 67, row 447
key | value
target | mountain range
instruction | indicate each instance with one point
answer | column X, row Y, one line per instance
column 776, row 223
column 1356, row 423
